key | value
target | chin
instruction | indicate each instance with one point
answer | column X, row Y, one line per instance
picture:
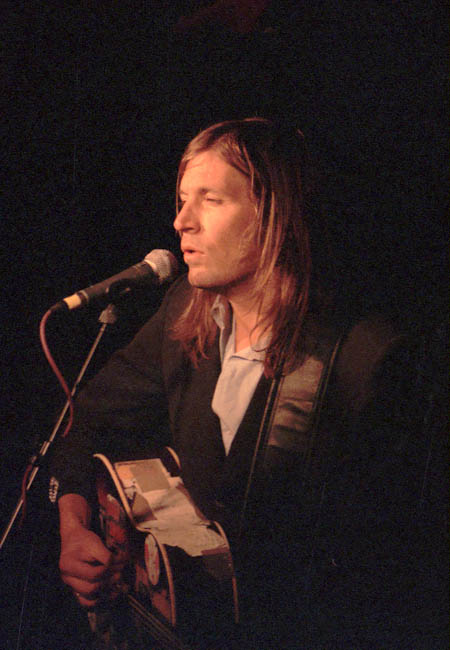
column 198, row 280
column 201, row 281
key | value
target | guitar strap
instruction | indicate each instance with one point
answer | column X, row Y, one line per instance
column 290, row 421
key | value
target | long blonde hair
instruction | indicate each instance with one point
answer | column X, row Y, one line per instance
column 288, row 228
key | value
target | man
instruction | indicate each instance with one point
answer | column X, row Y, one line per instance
column 237, row 361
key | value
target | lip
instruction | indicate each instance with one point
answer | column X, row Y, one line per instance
column 190, row 254
column 189, row 250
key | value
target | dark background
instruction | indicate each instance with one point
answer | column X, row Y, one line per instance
column 100, row 100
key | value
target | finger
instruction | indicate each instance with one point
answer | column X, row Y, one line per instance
column 87, row 589
column 99, row 553
column 77, row 583
column 87, row 547
column 89, row 572
column 92, row 551
column 87, row 601
column 91, row 598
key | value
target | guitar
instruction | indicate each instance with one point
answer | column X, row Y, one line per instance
column 178, row 586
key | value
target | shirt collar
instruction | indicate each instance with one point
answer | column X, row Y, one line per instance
column 222, row 315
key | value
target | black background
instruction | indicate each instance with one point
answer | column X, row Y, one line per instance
column 100, row 100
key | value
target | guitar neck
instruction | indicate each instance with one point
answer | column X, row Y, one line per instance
column 160, row 632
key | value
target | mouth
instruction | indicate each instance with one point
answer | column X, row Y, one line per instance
column 189, row 250
column 190, row 254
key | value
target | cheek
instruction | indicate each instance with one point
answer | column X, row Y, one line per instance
column 244, row 239
column 234, row 244
column 232, row 238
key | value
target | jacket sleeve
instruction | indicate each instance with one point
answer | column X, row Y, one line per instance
column 375, row 571
column 121, row 410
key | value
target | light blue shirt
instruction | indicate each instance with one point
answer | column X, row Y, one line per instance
column 240, row 374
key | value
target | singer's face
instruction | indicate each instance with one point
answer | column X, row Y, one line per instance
column 216, row 210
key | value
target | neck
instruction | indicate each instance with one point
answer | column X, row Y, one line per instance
column 249, row 311
column 248, row 316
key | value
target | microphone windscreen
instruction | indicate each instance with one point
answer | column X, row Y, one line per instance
column 164, row 264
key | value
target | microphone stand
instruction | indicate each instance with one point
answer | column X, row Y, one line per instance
column 107, row 317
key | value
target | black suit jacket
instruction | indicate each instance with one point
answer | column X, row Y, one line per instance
column 316, row 546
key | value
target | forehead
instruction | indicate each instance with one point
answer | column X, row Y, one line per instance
column 208, row 170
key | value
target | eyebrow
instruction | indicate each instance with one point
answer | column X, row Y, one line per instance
column 205, row 190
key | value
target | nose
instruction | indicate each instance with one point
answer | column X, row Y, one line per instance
column 185, row 219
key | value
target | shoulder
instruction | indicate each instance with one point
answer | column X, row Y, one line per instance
column 366, row 342
column 178, row 294
column 373, row 350
column 176, row 299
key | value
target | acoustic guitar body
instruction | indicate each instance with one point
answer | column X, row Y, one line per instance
column 178, row 588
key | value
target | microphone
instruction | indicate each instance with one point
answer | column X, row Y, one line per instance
column 158, row 267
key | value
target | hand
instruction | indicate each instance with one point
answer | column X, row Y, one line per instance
column 86, row 565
